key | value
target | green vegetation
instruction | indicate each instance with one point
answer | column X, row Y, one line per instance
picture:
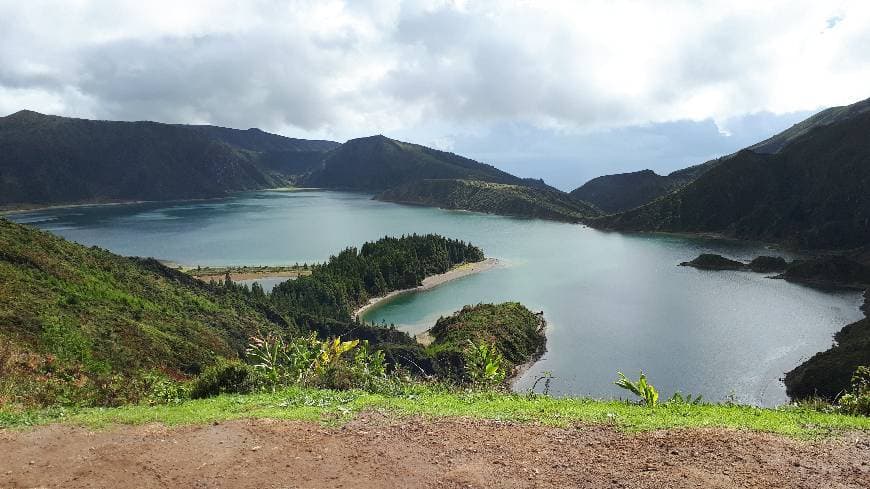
column 377, row 163
column 514, row 332
column 82, row 325
column 334, row 290
column 857, row 400
column 642, row 389
column 494, row 198
column 299, row 403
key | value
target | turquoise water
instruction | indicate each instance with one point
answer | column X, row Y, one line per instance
column 613, row 302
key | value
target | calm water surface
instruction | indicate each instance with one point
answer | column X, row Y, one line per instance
column 613, row 302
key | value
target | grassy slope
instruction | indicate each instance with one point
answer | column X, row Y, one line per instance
column 335, row 406
column 105, row 312
column 493, row 198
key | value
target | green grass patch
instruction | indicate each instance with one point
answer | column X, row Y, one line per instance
column 328, row 406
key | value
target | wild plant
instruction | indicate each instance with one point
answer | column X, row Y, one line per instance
column 306, row 360
column 679, row 398
column 643, row 389
column 268, row 354
column 484, row 364
column 857, row 401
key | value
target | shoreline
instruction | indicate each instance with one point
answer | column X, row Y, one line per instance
column 521, row 369
column 25, row 208
column 433, row 281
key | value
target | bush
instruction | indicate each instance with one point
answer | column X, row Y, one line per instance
column 226, row 377
column 330, row 364
column 857, row 401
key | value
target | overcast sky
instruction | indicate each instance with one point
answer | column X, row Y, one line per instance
column 565, row 91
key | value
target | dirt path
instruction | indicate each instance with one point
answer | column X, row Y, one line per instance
column 374, row 451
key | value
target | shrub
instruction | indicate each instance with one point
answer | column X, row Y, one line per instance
column 226, row 376
column 331, row 363
column 857, row 401
column 484, row 364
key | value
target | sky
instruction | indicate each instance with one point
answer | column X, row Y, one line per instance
column 561, row 90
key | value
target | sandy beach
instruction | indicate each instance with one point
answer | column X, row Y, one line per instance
column 434, row 281
column 252, row 275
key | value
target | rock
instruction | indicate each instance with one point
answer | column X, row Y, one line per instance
column 710, row 261
column 767, row 264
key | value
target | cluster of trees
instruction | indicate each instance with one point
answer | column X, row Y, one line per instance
column 348, row 280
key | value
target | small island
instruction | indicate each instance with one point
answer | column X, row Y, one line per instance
column 710, row 261
column 517, row 333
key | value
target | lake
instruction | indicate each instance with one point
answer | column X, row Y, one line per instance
column 613, row 302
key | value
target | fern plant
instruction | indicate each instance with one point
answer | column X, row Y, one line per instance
column 643, row 389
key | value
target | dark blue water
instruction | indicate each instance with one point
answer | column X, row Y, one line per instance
column 613, row 302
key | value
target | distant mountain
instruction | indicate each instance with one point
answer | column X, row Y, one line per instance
column 826, row 117
column 256, row 140
column 813, row 193
column 625, row 191
column 493, row 198
column 289, row 157
column 56, row 160
column 377, row 163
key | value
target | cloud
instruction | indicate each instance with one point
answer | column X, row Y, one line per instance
column 336, row 69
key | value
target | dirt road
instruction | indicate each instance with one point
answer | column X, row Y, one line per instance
column 374, row 451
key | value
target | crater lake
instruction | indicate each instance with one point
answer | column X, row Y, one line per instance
column 613, row 302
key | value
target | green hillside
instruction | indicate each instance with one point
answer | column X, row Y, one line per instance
column 812, row 194
column 377, row 163
column 83, row 315
column 493, row 198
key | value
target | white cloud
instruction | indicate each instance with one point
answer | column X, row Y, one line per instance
column 336, row 69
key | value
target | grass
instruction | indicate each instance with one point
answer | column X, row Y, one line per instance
column 336, row 407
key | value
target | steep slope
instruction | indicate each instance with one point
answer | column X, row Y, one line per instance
column 377, row 163
column 622, row 192
column 86, row 310
column 826, row 117
column 493, row 198
column 54, row 160
column 812, row 194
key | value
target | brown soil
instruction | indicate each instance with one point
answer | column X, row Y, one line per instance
column 376, row 451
